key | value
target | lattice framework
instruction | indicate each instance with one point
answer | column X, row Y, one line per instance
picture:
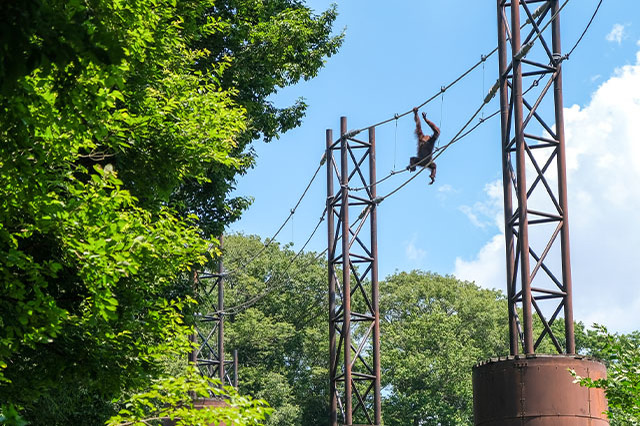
column 534, row 175
column 354, row 319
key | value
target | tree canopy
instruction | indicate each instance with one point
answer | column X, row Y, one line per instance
column 123, row 126
column 433, row 330
column 282, row 338
column 621, row 354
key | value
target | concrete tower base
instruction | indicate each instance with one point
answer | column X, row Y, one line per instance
column 538, row 390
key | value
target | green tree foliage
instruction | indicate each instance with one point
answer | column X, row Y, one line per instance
column 267, row 45
column 434, row 329
column 272, row 44
column 281, row 337
column 89, row 270
column 121, row 133
column 621, row 354
column 172, row 399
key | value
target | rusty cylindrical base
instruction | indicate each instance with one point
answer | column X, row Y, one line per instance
column 538, row 390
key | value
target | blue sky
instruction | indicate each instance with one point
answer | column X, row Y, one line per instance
column 395, row 56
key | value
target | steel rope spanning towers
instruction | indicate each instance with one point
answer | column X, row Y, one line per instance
column 354, row 320
column 535, row 208
column 518, row 389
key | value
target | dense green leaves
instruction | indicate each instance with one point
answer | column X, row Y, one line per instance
column 272, row 44
column 434, row 329
column 621, row 353
column 173, row 399
column 88, row 268
column 121, row 134
column 282, row 338
column 266, row 45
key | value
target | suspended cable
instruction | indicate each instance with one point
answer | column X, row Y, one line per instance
column 435, row 96
column 585, row 30
column 291, row 213
column 395, row 144
column 441, row 110
column 269, row 241
column 247, row 304
column 255, row 299
column 483, row 82
column 455, row 139
column 481, row 121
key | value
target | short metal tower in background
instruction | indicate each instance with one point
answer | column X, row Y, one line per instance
column 354, row 319
column 534, row 174
column 209, row 326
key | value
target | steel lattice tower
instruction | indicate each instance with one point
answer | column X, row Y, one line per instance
column 534, row 388
column 354, row 320
column 535, row 190
column 209, row 327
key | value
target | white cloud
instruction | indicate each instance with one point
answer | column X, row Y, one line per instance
column 414, row 253
column 603, row 170
column 472, row 216
column 487, row 213
column 617, row 34
column 446, row 188
column 487, row 269
column 444, row 191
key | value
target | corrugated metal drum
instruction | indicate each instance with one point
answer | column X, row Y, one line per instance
column 538, row 390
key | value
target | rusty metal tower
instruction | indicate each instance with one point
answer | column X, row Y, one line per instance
column 526, row 387
column 354, row 319
column 537, row 229
column 209, row 326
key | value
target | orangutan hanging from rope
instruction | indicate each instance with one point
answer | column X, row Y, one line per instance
column 425, row 146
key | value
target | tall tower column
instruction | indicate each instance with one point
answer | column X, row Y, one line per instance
column 354, row 318
column 527, row 387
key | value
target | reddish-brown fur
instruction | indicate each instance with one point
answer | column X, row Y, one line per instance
column 425, row 146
